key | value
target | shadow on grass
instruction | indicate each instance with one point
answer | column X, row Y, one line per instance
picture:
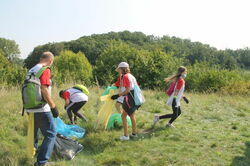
column 243, row 160
column 149, row 133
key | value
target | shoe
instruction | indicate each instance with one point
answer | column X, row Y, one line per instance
column 133, row 135
column 124, row 138
column 170, row 125
column 157, row 118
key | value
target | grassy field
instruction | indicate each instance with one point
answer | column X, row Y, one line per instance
column 213, row 130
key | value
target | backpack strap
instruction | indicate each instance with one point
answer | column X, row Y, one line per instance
column 76, row 92
column 40, row 72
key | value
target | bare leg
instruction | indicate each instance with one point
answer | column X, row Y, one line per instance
column 125, row 124
column 132, row 117
column 118, row 107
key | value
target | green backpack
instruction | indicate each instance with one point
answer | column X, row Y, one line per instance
column 31, row 91
column 82, row 88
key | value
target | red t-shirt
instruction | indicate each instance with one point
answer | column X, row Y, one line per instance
column 45, row 77
column 66, row 95
column 180, row 83
column 124, row 83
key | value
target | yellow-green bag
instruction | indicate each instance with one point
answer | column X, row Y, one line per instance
column 82, row 88
column 30, row 136
column 106, row 110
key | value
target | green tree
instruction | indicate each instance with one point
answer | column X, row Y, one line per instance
column 9, row 48
column 71, row 67
column 148, row 67
column 11, row 74
column 34, row 56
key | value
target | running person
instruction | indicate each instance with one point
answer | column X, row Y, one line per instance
column 75, row 99
column 176, row 96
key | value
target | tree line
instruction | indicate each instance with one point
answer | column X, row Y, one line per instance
column 94, row 58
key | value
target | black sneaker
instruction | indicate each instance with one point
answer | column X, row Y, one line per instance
column 133, row 136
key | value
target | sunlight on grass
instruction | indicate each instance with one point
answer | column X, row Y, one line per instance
column 212, row 130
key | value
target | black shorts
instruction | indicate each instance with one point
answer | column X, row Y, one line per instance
column 75, row 107
column 128, row 104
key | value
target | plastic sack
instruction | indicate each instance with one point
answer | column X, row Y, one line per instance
column 107, row 90
column 66, row 148
column 138, row 96
column 115, row 120
column 68, row 130
column 106, row 109
column 30, row 136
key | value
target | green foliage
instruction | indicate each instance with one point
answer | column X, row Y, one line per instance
column 11, row 74
column 35, row 55
column 151, row 59
column 203, row 78
column 9, row 48
column 148, row 67
column 243, row 57
column 190, row 52
column 237, row 88
column 71, row 67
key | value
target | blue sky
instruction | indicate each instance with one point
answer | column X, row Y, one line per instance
column 220, row 23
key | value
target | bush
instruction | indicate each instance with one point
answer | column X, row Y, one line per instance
column 11, row 74
column 237, row 88
column 202, row 78
column 71, row 67
column 149, row 67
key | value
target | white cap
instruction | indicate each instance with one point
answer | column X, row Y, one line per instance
column 123, row 64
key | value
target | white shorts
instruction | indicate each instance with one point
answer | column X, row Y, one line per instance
column 120, row 99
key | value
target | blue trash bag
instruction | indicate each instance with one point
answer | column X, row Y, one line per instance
column 68, row 130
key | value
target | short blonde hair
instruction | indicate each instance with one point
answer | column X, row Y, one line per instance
column 46, row 55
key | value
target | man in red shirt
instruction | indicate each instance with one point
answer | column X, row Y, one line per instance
column 43, row 119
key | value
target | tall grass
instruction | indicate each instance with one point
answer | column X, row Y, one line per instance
column 213, row 130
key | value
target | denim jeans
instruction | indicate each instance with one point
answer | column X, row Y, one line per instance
column 44, row 122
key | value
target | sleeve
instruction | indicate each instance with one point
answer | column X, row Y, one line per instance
column 180, row 83
column 66, row 95
column 117, row 83
column 45, row 77
column 126, row 82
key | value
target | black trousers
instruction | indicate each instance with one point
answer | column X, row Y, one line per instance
column 174, row 115
column 75, row 107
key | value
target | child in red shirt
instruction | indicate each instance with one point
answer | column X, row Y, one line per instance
column 176, row 96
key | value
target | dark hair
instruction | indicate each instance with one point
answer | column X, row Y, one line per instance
column 61, row 93
column 178, row 74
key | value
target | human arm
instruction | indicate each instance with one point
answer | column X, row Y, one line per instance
column 126, row 85
column 46, row 96
column 45, row 83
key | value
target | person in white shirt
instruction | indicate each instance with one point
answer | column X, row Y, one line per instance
column 75, row 99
